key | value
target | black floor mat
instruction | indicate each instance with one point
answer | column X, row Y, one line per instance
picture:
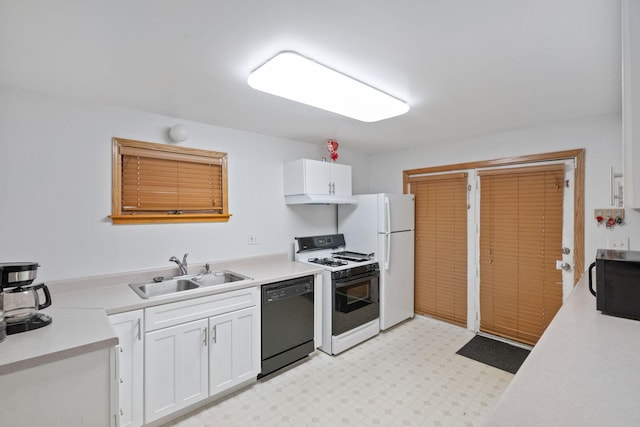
column 494, row 353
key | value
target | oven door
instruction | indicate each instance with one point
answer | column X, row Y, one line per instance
column 355, row 302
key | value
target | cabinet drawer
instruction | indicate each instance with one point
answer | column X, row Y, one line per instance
column 162, row 316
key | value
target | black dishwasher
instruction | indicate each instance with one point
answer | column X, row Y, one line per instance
column 287, row 323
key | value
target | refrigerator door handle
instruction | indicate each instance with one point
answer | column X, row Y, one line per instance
column 387, row 261
column 387, row 206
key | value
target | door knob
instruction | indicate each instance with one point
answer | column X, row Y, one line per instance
column 565, row 266
column 566, row 251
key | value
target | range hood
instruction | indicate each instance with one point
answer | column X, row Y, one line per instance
column 320, row 199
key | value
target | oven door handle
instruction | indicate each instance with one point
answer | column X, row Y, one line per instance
column 343, row 284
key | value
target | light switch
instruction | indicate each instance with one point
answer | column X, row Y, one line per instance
column 252, row 239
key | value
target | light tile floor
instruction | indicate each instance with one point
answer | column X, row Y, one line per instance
column 406, row 376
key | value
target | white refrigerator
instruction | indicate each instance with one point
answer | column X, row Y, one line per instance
column 384, row 224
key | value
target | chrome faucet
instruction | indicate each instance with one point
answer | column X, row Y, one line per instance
column 181, row 264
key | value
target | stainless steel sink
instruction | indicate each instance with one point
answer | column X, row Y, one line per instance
column 173, row 286
column 219, row 278
column 156, row 289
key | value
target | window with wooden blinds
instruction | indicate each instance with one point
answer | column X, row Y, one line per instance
column 520, row 241
column 161, row 183
column 441, row 246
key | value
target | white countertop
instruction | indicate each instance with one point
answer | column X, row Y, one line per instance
column 72, row 332
column 584, row 371
column 119, row 297
column 79, row 309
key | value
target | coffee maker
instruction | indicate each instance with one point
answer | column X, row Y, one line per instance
column 20, row 299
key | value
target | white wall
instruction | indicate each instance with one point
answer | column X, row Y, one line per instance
column 55, row 190
column 600, row 136
column 40, row 221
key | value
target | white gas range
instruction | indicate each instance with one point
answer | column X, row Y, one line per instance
column 350, row 291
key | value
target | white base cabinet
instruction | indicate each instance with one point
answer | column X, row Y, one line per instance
column 176, row 368
column 129, row 367
column 198, row 349
column 234, row 353
column 66, row 393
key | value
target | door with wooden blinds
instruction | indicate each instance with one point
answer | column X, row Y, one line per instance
column 441, row 246
column 520, row 241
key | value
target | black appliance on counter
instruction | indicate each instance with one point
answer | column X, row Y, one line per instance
column 21, row 302
column 617, row 286
column 287, row 323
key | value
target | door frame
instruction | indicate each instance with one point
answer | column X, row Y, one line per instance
column 577, row 156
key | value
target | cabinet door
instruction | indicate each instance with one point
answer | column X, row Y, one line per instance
column 317, row 177
column 234, row 356
column 631, row 99
column 130, row 352
column 176, row 368
column 341, row 179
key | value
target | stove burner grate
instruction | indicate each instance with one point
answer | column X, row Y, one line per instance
column 352, row 256
column 330, row 262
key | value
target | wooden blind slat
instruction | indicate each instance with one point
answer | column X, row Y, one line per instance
column 512, row 172
column 438, row 177
column 165, row 155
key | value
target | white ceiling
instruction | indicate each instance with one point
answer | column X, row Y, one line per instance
column 465, row 67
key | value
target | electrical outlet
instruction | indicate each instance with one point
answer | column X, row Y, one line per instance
column 253, row 239
column 621, row 244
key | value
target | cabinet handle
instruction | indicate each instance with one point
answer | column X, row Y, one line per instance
column 329, row 188
column 204, row 336
column 214, row 334
column 139, row 326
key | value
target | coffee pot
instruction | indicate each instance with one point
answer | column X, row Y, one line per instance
column 23, row 302
column 20, row 300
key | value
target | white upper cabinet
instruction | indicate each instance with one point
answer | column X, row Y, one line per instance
column 313, row 181
column 341, row 178
column 631, row 101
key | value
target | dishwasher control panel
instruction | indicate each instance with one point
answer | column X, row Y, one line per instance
column 287, row 289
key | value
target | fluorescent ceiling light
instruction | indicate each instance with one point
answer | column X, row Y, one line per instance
column 299, row 79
